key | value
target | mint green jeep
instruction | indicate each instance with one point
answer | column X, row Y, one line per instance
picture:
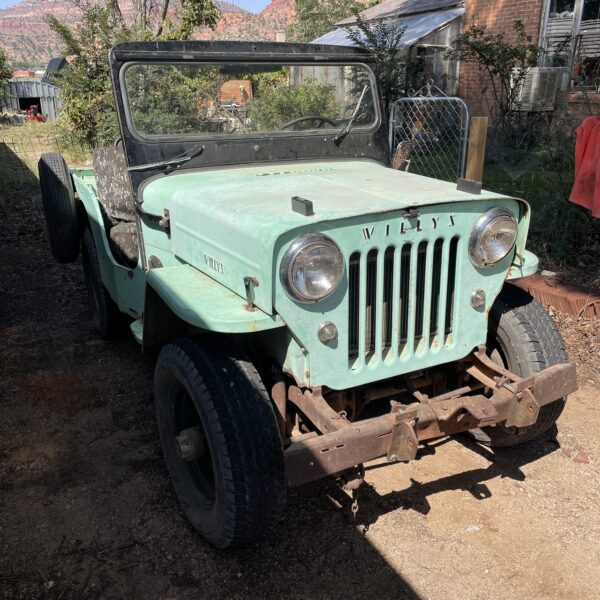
column 312, row 308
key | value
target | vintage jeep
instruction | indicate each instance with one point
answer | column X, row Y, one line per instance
column 313, row 307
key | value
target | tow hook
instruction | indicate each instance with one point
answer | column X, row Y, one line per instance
column 351, row 481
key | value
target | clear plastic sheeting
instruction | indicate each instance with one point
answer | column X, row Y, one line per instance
column 416, row 27
column 395, row 8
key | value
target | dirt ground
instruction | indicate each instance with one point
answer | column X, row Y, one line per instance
column 86, row 509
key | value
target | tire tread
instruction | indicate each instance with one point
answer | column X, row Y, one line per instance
column 536, row 344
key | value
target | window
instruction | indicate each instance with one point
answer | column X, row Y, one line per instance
column 239, row 99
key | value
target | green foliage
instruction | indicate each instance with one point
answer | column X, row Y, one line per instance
column 5, row 73
column 88, row 105
column 168, row 99
column 317, row 17
column 277, row 103
column 504, row 63
column 561, row 233
column 194, row 13
column 383, row 40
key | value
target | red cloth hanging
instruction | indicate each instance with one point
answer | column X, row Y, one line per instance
column 586, row 190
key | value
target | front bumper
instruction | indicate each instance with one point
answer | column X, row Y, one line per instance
column 506, row 399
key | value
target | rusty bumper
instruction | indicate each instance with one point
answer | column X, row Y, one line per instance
column 507, row 399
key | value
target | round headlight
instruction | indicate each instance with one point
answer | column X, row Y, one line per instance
column 493, row 237
column 312, row 268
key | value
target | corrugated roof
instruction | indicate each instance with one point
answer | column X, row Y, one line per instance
column 392, row 8
column 417, row 27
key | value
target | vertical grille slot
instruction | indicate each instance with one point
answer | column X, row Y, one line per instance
column 353, row 293
column 451, row 285
column 388, row 300
column 371, row 304
column 404, row 287
column 420, row 300
column 436, row 274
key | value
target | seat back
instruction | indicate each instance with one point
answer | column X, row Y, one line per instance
column 112, row 183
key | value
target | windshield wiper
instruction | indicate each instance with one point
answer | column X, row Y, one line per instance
column 171, row 163
column 346, row 130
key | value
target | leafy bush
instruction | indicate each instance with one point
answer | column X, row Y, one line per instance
column 561, row 233
column 277, row 103
column 315, row 18
column 503, row 64
column 89, row 110
column 167, row 99
column 383, row 39
column 5, row 73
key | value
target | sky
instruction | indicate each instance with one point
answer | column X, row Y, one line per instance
column 251, row 5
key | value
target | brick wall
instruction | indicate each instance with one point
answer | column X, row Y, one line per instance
column 499, row 17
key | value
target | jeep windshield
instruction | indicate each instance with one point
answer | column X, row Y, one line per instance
column 213, row 100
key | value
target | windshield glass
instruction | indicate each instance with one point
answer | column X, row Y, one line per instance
column 241, row 99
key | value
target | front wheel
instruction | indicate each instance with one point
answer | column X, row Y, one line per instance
column 524, row 339
column 220, row 440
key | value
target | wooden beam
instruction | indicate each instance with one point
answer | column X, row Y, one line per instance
column 477, row 142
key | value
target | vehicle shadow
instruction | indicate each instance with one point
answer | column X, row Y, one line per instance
column 503, row 462
column 87, row 509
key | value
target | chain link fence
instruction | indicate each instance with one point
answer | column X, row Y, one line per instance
column 429, row 136
column 21, row 148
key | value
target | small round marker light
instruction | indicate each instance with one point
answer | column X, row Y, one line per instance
column 477, row 298
column 327, row 332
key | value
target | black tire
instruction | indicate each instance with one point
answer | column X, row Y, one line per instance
column 60, row 211
column 235, row 492
column 523, row 338
column 107, row 319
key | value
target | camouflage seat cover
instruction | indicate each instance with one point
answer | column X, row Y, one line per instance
column 114, row 193
column 112, row 182
column 123, row 240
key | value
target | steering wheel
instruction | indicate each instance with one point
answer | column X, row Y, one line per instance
column 322, row 120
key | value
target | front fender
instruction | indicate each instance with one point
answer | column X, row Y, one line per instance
column 205, row 304
column 524, row 265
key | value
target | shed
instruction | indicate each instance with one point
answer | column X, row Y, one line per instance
column 429, row 28
column 23, row 93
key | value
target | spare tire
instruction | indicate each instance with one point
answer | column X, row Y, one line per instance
column 58, row 200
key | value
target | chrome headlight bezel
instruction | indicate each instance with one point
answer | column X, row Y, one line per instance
column 287, row 265
column 479, row 229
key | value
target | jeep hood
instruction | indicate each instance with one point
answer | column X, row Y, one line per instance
column 226, row 222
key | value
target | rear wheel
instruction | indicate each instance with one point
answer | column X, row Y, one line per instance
column 60, row 211
column 220, row 439
column 524, row 339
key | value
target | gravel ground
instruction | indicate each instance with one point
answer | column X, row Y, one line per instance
column 86, row 509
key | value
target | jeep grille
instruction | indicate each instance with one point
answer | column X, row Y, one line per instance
column 401, row 300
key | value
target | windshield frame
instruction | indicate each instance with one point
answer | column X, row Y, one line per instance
column 241, row 150
column 253, row 136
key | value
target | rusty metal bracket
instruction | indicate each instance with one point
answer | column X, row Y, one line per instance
column 404, row 442
column 524, row 410
column 514, row 400
column 480, row 407
column 316, row 408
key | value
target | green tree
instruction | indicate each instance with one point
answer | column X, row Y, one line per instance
column 317, row 17
column 5, row 73
column 502, row 63
column 383, row 40
column 277, row 103
column 89, row 110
